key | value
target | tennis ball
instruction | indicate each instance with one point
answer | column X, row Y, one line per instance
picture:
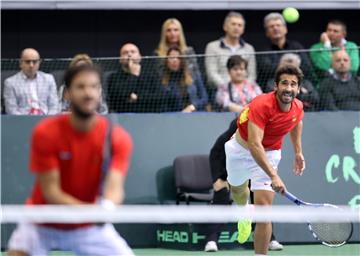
column 290, row 14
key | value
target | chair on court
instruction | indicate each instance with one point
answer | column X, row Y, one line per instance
column 193, row 179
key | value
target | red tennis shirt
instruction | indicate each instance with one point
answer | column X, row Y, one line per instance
column 265, row 112
column 76, row 155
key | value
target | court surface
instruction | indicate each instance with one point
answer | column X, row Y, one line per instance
column 306, row 250
column 346, row 250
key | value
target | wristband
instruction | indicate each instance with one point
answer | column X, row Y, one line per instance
column 107, row 204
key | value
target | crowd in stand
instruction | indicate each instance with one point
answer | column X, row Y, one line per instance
column 172, row 80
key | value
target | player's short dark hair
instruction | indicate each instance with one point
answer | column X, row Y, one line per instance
column 71, row 73
column 289, row 70
column 236, row 60
column 339, row 23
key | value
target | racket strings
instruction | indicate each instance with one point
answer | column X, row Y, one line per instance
column 332, row 233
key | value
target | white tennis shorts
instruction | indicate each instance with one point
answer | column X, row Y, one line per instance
column 241, row 166
column 93, row 240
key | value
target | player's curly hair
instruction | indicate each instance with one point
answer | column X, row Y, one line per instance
column 289, row 70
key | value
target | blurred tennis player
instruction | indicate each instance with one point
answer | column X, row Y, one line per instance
column 67, row 156
column 255, row 150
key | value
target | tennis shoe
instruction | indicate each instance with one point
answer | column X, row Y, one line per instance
column 244, row 230
column 211, row 247
column 275, row 246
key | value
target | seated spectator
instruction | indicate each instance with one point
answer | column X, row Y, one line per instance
column 276, row 31
column 131, row 89
column 341, row 90
column 331, row 40
column 78, row 60
column 182, row 90
column 218, row 52
column 172, row 34
column 308, row 94
column 237, row 93
column 30, row 91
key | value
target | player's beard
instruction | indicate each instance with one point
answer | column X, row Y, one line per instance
column 281, row 94
column 81, row 114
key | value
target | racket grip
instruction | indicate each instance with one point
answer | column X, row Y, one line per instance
column 291, row 197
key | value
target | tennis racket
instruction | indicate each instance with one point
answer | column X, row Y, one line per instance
column 329, row 234
column 107, row 153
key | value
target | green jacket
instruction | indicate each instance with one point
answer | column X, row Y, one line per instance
column 321, row 56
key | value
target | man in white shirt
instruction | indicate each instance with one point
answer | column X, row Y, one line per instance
column 30, row 91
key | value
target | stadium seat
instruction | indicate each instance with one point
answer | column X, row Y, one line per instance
column 105, row 79
column 193, row 179
column 59, row 77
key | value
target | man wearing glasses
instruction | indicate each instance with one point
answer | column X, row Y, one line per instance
column 254, row 151
column 30, row 91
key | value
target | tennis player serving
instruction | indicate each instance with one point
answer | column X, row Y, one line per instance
column 255, row 150
column 67, row 156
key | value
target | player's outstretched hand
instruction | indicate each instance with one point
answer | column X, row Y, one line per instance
column 299, row 164
column 277, row 184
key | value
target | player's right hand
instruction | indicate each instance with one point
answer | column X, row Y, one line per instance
column 277, row 184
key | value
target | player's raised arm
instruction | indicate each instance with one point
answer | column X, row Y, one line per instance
column 295, row 136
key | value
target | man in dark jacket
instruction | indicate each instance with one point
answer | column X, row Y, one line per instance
column 134, row 88
column 340, row 91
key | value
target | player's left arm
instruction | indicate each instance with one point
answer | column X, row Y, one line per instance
column 114, row 186
column 295, row 136
column 115, row 178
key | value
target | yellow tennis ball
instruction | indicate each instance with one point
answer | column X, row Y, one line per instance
column 290, row 14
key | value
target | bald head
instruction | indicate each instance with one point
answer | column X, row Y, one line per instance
column 290, row 59
column 341, row 62
column 29, row 62
column 29, row 52
column 129, row 52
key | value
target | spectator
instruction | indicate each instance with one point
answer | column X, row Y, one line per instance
column 172, row 34
column 341, row 90
column 218, row 51
column 78, row 60
column 276, row 31
column 237, row 93
column 308, row 94
column 183, row 91
column 331, row 40
column 30, row 91
column 131, row 89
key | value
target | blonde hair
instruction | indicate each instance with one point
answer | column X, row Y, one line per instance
column 163, row 45
column 186, row 77
column 81, row 57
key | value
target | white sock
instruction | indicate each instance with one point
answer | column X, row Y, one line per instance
column 260, row 255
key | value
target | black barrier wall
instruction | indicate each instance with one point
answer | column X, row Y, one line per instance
column 100, row 33
column 331, row 145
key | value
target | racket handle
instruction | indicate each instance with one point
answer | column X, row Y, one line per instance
column 291, row 197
